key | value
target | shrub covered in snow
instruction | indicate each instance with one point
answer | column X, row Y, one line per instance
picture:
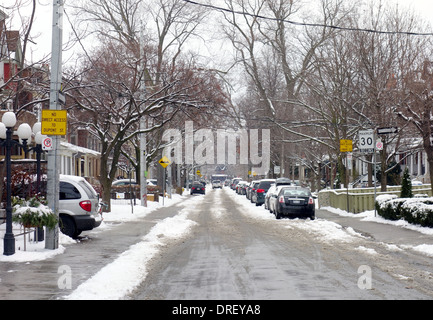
column 413, row 210
column 33, row 213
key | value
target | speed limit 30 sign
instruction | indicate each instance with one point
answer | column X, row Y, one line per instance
column 366, row 141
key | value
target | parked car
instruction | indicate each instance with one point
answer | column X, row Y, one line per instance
column 283, row 182
column 249, row 188
column 271, row 191
column 293, row 202
column 127, row 182
column 260, row 193
column 123, row 182
column 78, row 206
column 198, row 187
column 217, row 184
column 240, row 187
column 253, row 191
column 152, row 182
column 234, row 182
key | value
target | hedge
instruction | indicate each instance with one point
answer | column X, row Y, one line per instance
column 413, row 210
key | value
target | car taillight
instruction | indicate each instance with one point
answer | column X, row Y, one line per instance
column 86, row 205
column 311, row 201
column 281, row 199
column 260, row 190
column 193, row 188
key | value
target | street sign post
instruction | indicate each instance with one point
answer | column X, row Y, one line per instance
column 47, row 144
column 54, row 122
column 389, row 130
column 379, row 145
column 164, row 162
column 346, row 145
column 366, row 141
column 53, row 158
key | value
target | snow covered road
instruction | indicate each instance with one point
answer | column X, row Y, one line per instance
column 237, row 251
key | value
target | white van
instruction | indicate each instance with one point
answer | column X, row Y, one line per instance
column 78, row 206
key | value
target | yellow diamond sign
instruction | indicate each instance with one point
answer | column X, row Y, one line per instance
column 164, row 162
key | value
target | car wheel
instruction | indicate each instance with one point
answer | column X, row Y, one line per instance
column 67, row 227
column 277, row 214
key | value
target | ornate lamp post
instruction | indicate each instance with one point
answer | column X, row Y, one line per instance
column 37, row 127
column 6, row 133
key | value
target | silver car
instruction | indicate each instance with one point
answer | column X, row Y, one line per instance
column 78, row 206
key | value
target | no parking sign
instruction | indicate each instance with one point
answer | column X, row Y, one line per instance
column 47, row 144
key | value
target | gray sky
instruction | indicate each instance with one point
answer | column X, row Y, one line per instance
column 43, row 24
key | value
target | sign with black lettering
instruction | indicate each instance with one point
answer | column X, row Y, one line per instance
column 54, row 122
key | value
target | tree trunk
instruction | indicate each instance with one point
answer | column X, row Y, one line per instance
column 105, row 184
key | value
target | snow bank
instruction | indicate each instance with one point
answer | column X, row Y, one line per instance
column 120, row 277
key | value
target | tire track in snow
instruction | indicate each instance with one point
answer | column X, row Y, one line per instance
column 123, row 275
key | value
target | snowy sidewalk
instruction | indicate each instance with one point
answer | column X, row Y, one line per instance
column 45, row 274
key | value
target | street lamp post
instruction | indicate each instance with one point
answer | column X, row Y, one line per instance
column 6, row 134
column 37, row 127
column 38, row 149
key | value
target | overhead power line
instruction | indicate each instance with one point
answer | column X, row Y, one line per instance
column 306, row 24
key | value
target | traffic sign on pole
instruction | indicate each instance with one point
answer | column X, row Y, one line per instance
column 389, row 130
column 346, row 145
column 366, row 141
column 54, row 122
column 164, row 162
column 47, row 144
column 379, row 145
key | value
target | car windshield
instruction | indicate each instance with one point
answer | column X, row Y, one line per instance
column 296, row 193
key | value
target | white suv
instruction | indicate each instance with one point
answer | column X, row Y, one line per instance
column 78, row 206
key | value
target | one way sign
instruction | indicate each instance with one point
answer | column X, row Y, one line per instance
column 389, row 130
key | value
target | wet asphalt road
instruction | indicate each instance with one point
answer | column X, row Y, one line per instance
column 230, row 255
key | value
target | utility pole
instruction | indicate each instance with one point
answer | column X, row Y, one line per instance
column 53, row 172
column 143, row 127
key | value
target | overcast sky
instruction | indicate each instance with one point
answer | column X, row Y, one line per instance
column 43, row 24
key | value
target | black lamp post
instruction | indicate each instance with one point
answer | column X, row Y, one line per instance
column 39, row 232
column 6, row 133
column 38, row 149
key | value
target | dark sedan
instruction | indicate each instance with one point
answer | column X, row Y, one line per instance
column 294, row 202
column 198, row 187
